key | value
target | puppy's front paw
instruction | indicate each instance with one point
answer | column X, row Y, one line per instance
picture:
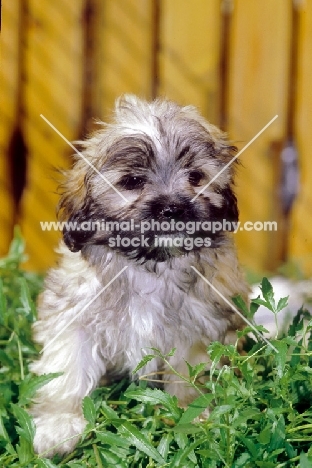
column 57, row 433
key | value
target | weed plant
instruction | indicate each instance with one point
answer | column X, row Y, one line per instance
column 259, row 402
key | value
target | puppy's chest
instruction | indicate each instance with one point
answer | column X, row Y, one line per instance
column 158, row 303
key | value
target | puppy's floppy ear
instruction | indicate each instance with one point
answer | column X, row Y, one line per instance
column 73, row 208
column 229, row 207
column 75, row 233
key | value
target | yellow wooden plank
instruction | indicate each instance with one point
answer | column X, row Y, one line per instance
column 125, row 50
column 258, row 89
column 8, row 83
column 190, row 53
column 52, row 88
column 300, row 243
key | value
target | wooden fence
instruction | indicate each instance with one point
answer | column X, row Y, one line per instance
column 240, row 61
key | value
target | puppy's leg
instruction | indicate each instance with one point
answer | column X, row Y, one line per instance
column 57, row 409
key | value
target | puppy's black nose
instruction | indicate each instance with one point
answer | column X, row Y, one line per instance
column 172, row 211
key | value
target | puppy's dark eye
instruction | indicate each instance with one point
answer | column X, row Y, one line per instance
column 195, row 177
column 132, row 182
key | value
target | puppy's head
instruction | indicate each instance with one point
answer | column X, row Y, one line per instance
column 136, row 188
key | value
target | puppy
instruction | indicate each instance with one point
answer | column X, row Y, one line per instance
column 136, row 225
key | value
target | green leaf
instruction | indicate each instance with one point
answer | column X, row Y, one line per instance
column 143, row 362
column 282, row 303
column 181, row 439
column 304, row 461
column 194, row 371
column 108, row 411
column 25, row 450
column 136, row 438
column 184, row 443
column 278, row 434
column 3, row 432
column 32, row 383
column 295, row 358
column 112, row 439
column 251, row 446
column 27, row 426
column 27, row 303
column 156, row 397
column 3, row 303
column 109, row 459
column 263, row 303
column 219, row 410
column 195, row 408
column 241, row 461
column 253, row 308
column 187, row 428
column 267, row 289
column 241, row 305
column 267, row 292
column 5, row 359
column 291, row 453
column 265, row 435
column 4, row 435
column 297, row 323
column 45, row 463
column 248, row 330
column 290, row 341
column 88, row 409
column 171, row 352
column 246, row 414
column 281, row 356
column 181, row 456
column 161, row 355
column 17, row 245
column 164, row 445
column 215, row 351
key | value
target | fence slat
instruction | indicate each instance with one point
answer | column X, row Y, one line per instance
column 190, row 53
column 300, row 245
column 53, row 88
column 125, row 50
column 258, row 86
column 8, row 80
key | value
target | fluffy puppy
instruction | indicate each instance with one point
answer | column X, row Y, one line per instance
column 98, row 318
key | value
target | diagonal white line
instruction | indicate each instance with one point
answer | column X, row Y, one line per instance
column 83, row 309
column 83, row 157
column 235, row 309
column 234, row 159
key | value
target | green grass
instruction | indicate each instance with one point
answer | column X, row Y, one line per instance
column 260, row 402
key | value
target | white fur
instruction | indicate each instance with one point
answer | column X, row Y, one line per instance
column 112, row 336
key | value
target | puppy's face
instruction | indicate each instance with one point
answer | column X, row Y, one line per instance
column 157, row 156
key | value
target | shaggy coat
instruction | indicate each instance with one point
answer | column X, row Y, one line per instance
column 96, row 319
